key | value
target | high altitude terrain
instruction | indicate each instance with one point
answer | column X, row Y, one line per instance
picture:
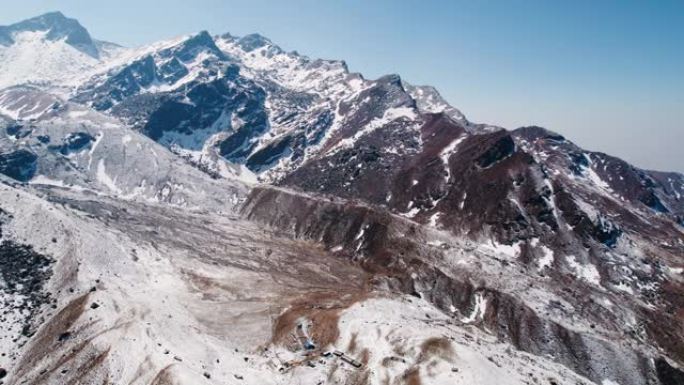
column 213, row 209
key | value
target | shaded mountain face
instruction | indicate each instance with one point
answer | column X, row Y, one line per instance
column 209, row 180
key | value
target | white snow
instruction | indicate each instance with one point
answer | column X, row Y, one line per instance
column 550, row 200
column 434, row 219
column 411, row 213
column 461, row 204
column 46, row 181
column 410, row 210
column 429, row 100
column 41, row 179
column 390, row 115
column 399, row 338
column 596, row 179
column 587, row 272
column 509, row 251
column 98, row 139
column 25, row 104
column 33, row 59
column 195, row 70
column 479, row 310
column 449, row 150
column 609, row 382
column 78, row 113
column 546, row 260
column 105, row 179
column 624, row 287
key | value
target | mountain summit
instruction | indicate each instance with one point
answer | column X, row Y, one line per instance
column 50, row 50
column 212, row 209
column 56, row 27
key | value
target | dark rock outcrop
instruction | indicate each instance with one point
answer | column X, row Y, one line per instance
column 19, row 164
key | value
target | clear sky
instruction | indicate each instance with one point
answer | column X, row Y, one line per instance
column 607, row 74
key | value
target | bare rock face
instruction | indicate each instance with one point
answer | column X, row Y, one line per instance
column 19, row 164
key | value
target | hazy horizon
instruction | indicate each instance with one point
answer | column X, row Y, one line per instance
column 605, row 75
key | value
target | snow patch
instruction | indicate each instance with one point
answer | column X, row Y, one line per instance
column 390, row 115
column 446, row 153
column 105, row 179
column 546, row 260
column 587, row 272
column 478, row 310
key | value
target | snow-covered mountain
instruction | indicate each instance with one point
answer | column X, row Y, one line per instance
column 214, row 209
column 50, row 50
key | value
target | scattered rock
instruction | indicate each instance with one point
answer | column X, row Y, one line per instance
column 24, row 272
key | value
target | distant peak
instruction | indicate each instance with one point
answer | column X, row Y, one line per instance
column 536, row 132
column 47, row 21
column 430, row 100
column 254, row 41
column 57, row 27
column 392, row 79
column 55, row 15
column 204, row 34
column 202, row 38
column 188, row 49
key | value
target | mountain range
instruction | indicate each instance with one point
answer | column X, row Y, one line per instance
column 214, row 209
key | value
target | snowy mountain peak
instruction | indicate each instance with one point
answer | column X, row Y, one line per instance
column 50, row 51
column 56, row 27
column 429, row 100
column 192, row 46
column 255, row 41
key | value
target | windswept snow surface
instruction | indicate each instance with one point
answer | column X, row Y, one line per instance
column 35, row 60
column 407, row 339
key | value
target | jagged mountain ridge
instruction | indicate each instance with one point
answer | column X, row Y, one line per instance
column 394, row 185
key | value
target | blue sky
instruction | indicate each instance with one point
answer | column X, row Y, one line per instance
column 607, row 74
